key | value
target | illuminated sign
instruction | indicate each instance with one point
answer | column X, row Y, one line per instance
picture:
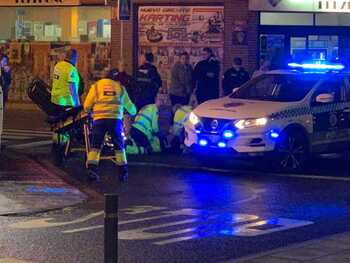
column 39, row 2
column 340, row 6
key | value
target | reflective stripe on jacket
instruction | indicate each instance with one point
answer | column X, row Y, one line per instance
column 146, row 121
column 107, row 99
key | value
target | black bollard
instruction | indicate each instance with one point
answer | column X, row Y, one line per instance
column 111, row 228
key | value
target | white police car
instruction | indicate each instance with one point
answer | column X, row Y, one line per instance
column 286, row 114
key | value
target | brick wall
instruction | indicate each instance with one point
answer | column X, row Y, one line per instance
column 235, row 10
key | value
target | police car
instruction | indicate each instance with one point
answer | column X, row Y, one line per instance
column 285, row 114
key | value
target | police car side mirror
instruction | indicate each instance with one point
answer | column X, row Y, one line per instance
column 325, row 98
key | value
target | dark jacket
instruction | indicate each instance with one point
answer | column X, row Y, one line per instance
column 234, row 78
column 148, row 83
column 127, row 81
column 5, row 82
column 181, row 80
column 206, row 76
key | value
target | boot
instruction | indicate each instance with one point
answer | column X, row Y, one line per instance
column 123, row 173
column 93, row 174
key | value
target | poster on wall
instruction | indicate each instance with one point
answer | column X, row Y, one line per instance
column 167, row 31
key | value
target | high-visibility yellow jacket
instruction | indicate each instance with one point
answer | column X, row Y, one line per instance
column 107, row 99
column 65, row 74
column 180, row 118
column 146, row 121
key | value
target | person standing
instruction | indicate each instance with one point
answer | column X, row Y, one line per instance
column 107, row 99
column 234, row 77
column 65, row 84
column 5, row 77
column 148, row 81
column 264, row 67
column 181, row 81
column 206, row 76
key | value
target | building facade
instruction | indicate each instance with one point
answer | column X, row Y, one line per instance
column 35, row 33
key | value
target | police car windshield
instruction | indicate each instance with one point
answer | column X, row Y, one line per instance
column 277, row 87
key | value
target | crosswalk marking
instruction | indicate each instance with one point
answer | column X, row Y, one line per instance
column 30, row 145
column 27, row 131
column 15, row 138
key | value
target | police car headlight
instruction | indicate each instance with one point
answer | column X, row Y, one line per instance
column 248, row 123
column 194, row 119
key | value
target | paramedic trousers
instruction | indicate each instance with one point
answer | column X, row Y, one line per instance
column 114, row 128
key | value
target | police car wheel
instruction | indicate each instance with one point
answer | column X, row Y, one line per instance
column 291, row 151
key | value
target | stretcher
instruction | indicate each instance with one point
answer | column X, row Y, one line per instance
column 71, row 127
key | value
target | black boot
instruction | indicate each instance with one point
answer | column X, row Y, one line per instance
column 123, row 173
column 93, row 174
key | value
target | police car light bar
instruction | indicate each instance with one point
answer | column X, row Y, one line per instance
column 317, row 65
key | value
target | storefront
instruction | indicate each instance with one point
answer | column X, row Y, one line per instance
column 313, row 29
column 35, row 35
column 168, row 28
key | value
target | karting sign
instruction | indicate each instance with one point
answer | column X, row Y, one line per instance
column 39, row 2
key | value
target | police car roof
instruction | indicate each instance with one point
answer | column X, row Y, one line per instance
column 297, row 72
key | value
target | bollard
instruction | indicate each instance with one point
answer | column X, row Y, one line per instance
column 111, row 228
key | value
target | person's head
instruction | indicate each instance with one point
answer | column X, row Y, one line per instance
column 237, row 63
column 72, row 56
column 184, row 58
column 149, row 57
column 207, row 53
column 121, row 66
column 176, row 107
column 112, row 74
column 265, row 65
column 4, row 60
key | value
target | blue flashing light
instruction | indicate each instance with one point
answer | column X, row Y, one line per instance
column 320, row 65
column 203, row 142
column 274, row 134
column 228, row 134
column 198, row 131
column 222, row 144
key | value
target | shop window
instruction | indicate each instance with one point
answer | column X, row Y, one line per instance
column 55, row 23
column 35, row 38
column 323, row 47
column 284, row 19
column 332, row 19
column 272, row 49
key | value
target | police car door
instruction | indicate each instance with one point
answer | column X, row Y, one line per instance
column 327, row 108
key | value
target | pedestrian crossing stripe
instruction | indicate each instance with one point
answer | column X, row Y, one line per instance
column 31, row 132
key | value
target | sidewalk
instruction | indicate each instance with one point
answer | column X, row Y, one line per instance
column 331, row 249
column 27, row 187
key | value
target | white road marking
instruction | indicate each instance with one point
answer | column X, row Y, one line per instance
column 30, row 145
column 28, row 131
column 45, row 222
column 15, row 137
column 21, row 135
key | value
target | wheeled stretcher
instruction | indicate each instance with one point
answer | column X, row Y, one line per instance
column 71, row 127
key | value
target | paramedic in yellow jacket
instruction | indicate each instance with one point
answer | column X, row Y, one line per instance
column 177, row 131
column 107, row 99
column 65, row 84
column 144, row 131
